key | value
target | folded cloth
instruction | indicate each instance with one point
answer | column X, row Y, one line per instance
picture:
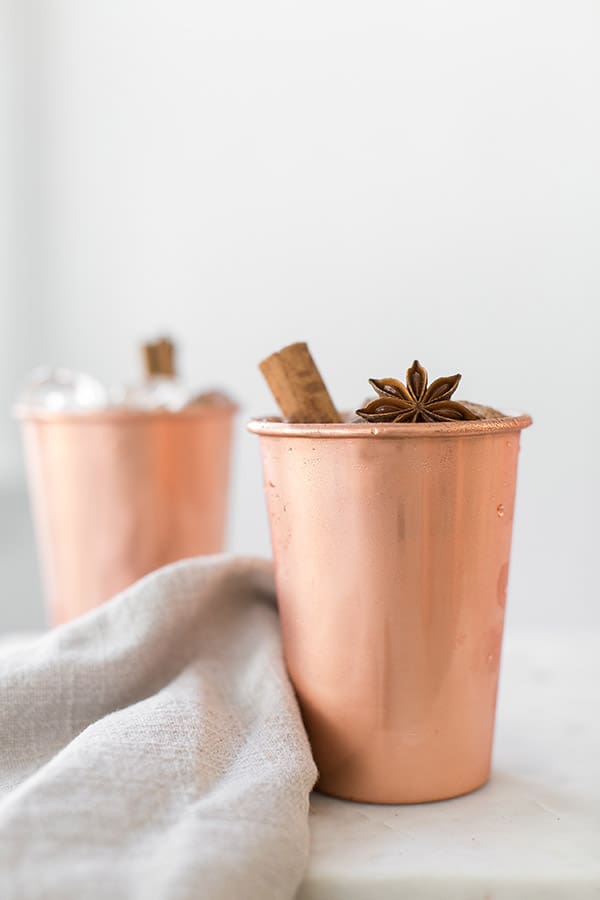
column 153, row 748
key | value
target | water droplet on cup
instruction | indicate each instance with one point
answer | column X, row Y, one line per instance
column 500, row 510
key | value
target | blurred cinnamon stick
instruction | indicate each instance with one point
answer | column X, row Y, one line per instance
column 165, row 351
column 297, row 386
column 150, row 360
column 159, row 358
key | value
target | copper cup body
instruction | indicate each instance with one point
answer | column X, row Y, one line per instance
column 391, row 547
column 118, row 493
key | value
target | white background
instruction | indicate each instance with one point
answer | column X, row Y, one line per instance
column 385, row 180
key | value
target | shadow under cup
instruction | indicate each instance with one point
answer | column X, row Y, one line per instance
column 118, row 493
column 391, row 547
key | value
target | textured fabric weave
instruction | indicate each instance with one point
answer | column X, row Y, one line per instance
column 153, row 749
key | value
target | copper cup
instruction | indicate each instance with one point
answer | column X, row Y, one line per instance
column 391, row 547
column 118, row 493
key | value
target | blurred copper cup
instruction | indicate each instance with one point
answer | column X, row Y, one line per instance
column 118, row 493
column 391, row 547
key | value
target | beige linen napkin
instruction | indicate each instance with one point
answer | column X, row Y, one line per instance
column 153, row 749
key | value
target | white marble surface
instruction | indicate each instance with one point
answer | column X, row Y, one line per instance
column 532, row 832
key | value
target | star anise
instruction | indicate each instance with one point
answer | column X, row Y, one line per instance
column 415, row 402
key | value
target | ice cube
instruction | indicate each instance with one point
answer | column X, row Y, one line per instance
column 58, row 390
column 159, row 392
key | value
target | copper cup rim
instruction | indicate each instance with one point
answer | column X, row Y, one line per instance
column 275, row 426
column 122, row 414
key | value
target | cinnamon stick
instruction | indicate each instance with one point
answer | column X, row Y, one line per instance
column 165, row 351
column 297, row 386
column 150, row 359
column 159, row 358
